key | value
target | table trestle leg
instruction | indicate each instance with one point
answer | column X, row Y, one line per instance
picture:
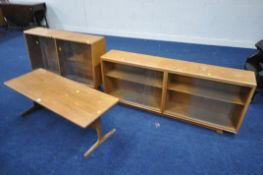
column 31, row 109
column 101, row 138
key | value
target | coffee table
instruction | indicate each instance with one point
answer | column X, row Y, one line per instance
column 71, row 100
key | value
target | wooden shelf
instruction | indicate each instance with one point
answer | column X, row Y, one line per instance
column 136, row 78
column 223, row 96
column 66, row 53
column 205, row 95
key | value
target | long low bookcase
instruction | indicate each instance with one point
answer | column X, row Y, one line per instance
column 72, row 55
column 210, row 96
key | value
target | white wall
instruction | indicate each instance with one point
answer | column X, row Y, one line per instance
column 217, row 22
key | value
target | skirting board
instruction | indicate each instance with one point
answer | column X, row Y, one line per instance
column 165, row 37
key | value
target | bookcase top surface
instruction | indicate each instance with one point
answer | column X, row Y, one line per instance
column 192, row 69
column 63, row 35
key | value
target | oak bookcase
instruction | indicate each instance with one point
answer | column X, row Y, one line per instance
column 72, row 55
column 210, row 96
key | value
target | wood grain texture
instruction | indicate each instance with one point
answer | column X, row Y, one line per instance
column 63, row 35
column 73, row 55
column 204, row 71
column 210, row 96
column 71, row 100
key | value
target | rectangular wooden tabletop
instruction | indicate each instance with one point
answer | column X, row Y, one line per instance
column 71, row 100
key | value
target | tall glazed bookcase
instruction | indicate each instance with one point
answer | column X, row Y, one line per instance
column 73, row 55
column 210, row 96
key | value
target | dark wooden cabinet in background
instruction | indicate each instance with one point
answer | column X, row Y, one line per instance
column 24, row 14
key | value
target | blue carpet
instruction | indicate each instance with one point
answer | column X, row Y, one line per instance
column 45, row 144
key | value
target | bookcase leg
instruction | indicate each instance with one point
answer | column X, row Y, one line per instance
column 219, row 131
column 101, row 138
column 31, row 109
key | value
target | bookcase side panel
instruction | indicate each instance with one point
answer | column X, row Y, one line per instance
column 97, row 50
column 244, row 110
